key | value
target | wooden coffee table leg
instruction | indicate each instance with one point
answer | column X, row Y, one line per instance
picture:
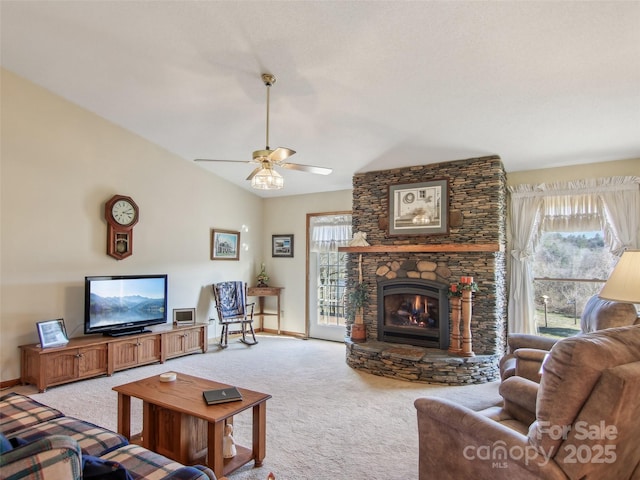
column 148, row 427
column 215, row 461
column 260, row 432
column 124, row 415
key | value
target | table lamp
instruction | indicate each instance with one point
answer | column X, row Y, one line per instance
column 624, row 283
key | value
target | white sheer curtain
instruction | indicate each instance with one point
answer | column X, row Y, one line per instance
column 621, row 202
column 608, row 204
column 329, row 232
column 524, row 223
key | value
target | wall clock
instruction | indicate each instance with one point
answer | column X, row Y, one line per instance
column 122, row 214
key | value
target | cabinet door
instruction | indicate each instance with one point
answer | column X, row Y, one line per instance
column 61, row 367
column 173, row 343
column 148, row 349
column 124, row 353
column 192, row 341
column 92, row 361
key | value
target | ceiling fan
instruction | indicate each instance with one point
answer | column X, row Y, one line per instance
column 264, row 177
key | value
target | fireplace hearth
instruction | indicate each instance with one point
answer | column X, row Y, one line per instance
column 413, row 311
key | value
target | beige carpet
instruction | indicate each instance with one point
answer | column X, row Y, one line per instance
column 325, row 420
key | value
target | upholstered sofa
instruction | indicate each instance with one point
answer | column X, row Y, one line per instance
column 582, row 421
column 526, row 353
column 40, row 442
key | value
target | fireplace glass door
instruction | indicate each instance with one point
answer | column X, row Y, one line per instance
column 412, row 311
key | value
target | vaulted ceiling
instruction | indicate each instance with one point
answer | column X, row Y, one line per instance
column 360, row 85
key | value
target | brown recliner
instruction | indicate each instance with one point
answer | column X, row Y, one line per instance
column 581, row 422
column 599, row 314
column 526, row 352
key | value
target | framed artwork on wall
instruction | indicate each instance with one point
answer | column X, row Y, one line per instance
column 52, row 333
column 419, row 208
column 282, row 245
column 225, row 245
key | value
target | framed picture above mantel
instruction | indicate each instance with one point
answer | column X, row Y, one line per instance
column 419, row 208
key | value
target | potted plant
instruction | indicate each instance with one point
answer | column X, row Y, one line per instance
column 358, row 298
column 263, row 278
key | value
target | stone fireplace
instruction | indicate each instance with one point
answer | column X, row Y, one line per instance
column 409, row 343
column 414, row 312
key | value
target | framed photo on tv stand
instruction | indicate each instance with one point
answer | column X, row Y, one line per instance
column 52, row 333
column 184, row 316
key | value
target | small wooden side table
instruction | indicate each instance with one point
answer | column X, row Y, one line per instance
column 262, row 292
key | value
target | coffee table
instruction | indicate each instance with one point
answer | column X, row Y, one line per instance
column 177, row 423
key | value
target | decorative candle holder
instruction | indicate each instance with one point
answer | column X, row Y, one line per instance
column 466, row 324
column 468, row 287
column 454, row 337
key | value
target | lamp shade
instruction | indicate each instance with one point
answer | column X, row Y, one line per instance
column 624, row 283
column 267, row 179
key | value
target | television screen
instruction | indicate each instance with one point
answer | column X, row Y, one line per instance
column 124, row 304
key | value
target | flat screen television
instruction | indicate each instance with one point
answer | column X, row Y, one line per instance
column 125, row 304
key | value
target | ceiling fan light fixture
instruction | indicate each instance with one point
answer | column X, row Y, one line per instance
column 267, row 179
column 264, row 177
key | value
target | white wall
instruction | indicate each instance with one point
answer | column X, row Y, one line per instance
column 284, row 215
column 59, row 164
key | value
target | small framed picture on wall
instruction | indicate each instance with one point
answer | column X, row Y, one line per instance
column 282, row 245
column 225, row 244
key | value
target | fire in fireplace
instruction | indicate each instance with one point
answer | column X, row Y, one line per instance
column 413, row 311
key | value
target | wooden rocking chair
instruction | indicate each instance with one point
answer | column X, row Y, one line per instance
column 230, row 298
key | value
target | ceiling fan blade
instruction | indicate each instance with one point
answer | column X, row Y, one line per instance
column 216, row 160
column 280, row 154
column 253, row 174
column 307, row 168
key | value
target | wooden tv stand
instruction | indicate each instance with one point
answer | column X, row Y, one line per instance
column 95, row 355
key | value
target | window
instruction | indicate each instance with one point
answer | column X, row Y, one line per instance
column 610, row 204
column 569, row 268
column 332, row 267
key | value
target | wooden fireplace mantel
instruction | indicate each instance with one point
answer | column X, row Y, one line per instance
column 447, row 247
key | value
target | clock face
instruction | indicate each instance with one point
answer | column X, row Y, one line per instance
column 409, row 198
column 123, row 212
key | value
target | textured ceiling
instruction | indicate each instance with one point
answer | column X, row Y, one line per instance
column 361, row 85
